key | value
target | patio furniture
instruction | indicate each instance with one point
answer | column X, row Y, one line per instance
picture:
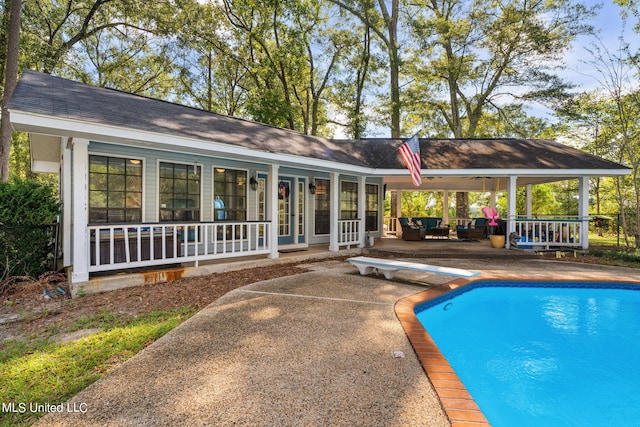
column 492, row 214
column 433, row 225
column 441, row 231
column 476, row 229
column 412, row 232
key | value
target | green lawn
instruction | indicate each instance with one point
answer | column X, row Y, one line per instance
column 595, row 240
column 41, row 371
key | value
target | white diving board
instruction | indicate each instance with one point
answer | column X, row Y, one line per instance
column 389, row 268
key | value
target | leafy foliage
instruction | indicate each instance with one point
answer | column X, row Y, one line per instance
column 28, row 212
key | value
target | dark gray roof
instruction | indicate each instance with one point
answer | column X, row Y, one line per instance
column 500, row 153
column 52, row 96
column 48, row 95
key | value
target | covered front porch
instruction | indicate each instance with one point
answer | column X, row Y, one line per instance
column 528, row 229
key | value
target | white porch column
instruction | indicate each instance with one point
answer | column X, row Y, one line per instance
column 511, row 207
column 399, row 203
column 272, row 208
column 80, row 209
column 583, row 210
column 65, row 183
column 445, row 207
column 362, row 212
column 334, row 215
column 492, row 199
column 529, row 200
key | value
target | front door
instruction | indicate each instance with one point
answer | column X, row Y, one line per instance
column 291, row 211
column 286, row 210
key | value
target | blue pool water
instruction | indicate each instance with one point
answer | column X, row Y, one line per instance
column 539, row 355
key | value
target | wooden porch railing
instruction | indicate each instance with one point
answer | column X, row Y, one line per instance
column 392, row 226
column 113, row 247
column 348, row 232
column 542, row 232
column 549, row 233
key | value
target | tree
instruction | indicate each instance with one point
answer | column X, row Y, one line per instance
column 53, row 32
column 384, row 24
column 10, row 82
column 475, row 56
column 607, row 119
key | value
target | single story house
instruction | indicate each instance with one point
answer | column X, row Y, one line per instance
column 146, row 182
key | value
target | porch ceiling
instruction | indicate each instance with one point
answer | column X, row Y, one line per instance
column 466, row 183
column 45, row 153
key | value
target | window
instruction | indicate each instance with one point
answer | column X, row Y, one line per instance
column 301, row 193
column 322, row 206
column 230, row 194
column 349, row 200
column 371, row 208
column 115, row 189
column 179, row 192
column 262, row 200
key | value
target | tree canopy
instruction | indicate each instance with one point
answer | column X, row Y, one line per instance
column 343, row 68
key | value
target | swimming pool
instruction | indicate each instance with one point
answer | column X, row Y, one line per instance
column 538, row 353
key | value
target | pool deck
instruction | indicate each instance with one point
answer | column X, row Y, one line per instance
column 326, row 347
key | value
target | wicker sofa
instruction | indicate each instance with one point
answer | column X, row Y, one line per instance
column 433, row 225
column 476, row 229
column 419, row 227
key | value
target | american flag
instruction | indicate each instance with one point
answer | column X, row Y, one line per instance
column 410, row 152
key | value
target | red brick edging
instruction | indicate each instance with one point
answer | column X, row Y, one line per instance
column 456, row 401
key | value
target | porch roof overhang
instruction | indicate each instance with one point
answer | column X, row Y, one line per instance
column 488, row 180
column 46, row 131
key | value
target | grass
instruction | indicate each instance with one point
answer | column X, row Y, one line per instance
column 41, row 371
column 607, row 251
column 595, row 240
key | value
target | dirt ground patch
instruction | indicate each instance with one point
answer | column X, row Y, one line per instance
column 25, row 313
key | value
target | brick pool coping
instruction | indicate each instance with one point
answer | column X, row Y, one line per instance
column 456, row 400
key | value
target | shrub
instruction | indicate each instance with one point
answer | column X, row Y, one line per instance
column 28, row 216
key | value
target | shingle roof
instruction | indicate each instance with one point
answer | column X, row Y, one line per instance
column 47, row 95
column 501, row 153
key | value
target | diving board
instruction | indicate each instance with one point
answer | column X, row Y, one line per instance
column 389, row 268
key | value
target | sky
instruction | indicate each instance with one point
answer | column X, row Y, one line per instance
column 610, row 26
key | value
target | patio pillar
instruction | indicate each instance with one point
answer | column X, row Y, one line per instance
column 80, row 195
column 511, row 207
column 529, row 200
column 335, row 212
column 272, row 208
column 445, row 207
column 362, row 205
column 583, row 210
column 67, row 204
column 398, row 203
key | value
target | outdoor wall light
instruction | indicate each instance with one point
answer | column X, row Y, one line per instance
column 312, row 188
column 253, row 183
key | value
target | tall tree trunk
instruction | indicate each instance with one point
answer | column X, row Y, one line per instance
column 358, row 126
column 391, row 21
column 11, row 80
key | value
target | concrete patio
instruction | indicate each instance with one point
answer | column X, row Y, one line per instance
column 313, row 349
